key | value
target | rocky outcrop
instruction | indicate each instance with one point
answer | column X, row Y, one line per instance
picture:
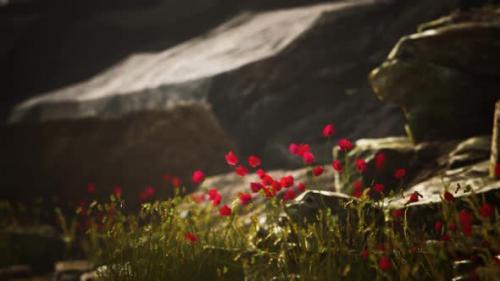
column 446, row 76
column 421, row 162
column 135, row 151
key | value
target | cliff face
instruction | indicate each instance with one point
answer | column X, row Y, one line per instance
column 259, row 80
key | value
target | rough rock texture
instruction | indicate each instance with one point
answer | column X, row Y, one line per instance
column 270, row 77
column 421, row 162
column 63, row 157
column 446, row 77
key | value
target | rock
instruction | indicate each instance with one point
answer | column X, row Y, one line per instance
column 495, row 145
column 71, row 270
column 419, row 161
column 435, row 75
column 461, row 182
column 15, row 271
column 133, row 152
column 307, row 206
column 31, row 247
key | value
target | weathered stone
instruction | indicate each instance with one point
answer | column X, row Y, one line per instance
column 71, row 270
column 495, row 144
column 445, row 79
column 308, row 205
column 15, row 272
column 62, row 157
column 461, row 182
column 37, row 248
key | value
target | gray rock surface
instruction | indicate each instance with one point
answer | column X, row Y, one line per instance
column 445, row 77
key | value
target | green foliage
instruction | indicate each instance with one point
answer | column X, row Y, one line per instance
column 152, row 244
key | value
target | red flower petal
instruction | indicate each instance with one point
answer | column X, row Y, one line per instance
column 328, row 131
column 198, row 177
column 241, row 171
column 225, row 211
column 379, row 160
column 308, row 158
column 317, row 171
column 378, row 187
column 345, row 145
column 337, row 165
column 360, row 165
column 231, row 158
column 245, row 198
column 254, row 161
column 400, row 173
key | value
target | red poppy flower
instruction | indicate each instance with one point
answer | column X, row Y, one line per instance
column 438, row 226
column 245, row 198
column 301, row 187
column 365, row 254
column 198, row 177
column 357, row 193
column 267, row 179
column 286, row 181
column 241, row 171
column 486, row 210
column 308, row 158
column 91, row 188
column 379, row 160
column 117, row 191
column 397, row 213
column 448, row 196
column 360, row 165
column 191, row 237
column 225, row 211
column 317, row 171
column 176, row 182
column 384, row 263
column 497, row 170
column 212, row 192
column 150, row 190
column 337, row 165
column 231, row 158
column 214, row 196
column 303, row 149
column 293, row 148
column 260, row 172
column 276, row 186
column 413, row 197
column 345, row 145
column 328, row 131
column 400, row 173
column 269, row 192
column 378, row 187
column 465, row 219
column 289, row 195
column 217, row 199
column 254, row 161
column 256, row 187
column 357, row 185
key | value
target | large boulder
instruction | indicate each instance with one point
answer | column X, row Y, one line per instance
column 446, row 76
column 62, row 157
